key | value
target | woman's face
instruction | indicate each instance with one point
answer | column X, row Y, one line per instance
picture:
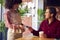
column 16, row 6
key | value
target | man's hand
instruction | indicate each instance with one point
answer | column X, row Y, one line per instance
column 30, row 28
column 45, row 36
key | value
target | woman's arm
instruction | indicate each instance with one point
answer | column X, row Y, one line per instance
column 6, row 21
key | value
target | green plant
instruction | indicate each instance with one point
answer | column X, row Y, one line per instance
column 1, row 1
column 40, row 14
column 23, row 10
column 2, row 26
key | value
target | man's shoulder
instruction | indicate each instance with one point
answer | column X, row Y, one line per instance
column 44, row 21
column 57, row 21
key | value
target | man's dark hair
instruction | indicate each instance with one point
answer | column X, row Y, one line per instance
column 52, row 11
column 9, row 3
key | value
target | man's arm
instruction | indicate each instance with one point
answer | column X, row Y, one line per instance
column 36, row 33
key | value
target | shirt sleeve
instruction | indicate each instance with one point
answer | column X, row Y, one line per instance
column 37, row 32
column 40, row 28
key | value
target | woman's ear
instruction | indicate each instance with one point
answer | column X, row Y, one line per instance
column 51, row 15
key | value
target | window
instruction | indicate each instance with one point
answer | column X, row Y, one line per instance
column 1, row 9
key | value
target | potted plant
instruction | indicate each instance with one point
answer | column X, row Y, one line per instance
column 23, row 10
column 2, row 26
column 2, row 30
column 40, row 14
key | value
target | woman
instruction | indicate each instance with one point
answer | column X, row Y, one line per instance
column 12, row 18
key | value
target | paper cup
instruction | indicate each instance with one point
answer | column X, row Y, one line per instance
column 41, row 34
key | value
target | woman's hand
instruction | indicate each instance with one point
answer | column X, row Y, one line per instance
column 14, row 26
column 22, row 27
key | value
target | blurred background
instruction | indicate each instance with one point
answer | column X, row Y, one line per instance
column 32, row 13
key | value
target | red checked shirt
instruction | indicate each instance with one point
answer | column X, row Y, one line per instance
column 51, row 30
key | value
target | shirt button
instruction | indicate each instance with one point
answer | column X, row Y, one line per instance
column 48, row 31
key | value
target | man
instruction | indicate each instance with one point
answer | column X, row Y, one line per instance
column 50, row 26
